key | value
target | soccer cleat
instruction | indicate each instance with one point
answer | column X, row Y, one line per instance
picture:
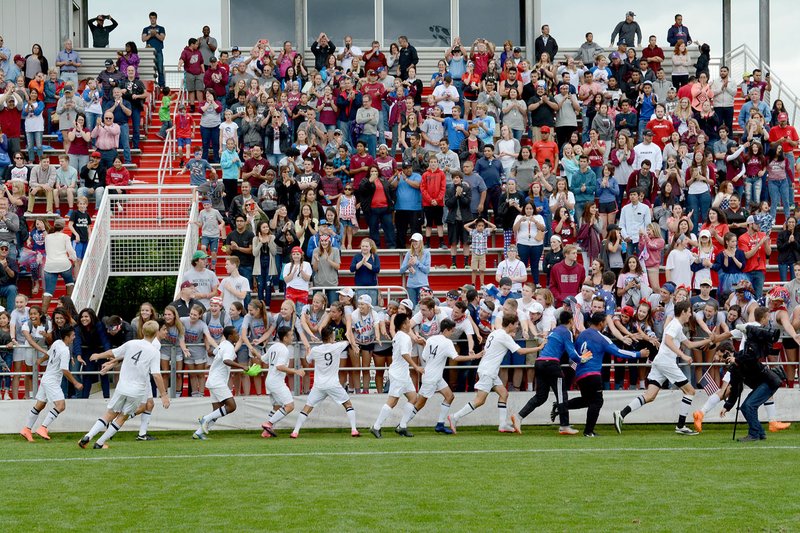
column 203, row 425
column 267, row 427
column 592, row 434
column 199, row 435
column 376, row 432
column 293, row 435
column 698, row 420
column 505, row 428
column 452, row 423
column 42, row 432
column 441, row 428
column 403, row 432
column 567, row 430
column 554, row 412
column 749, row 438
column 617, row 421
column 515, row 423
column 84, row 441
column 355, row 433
column 98, row 446
column 26, row 432
column 146, row 436
column 685, row 431
column 266, row 435
column 775, row 426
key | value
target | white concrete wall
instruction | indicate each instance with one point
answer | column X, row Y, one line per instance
column 23, row 23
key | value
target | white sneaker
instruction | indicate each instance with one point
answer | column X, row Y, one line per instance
column 567, row 430
column 685, row 431
column 617, row 421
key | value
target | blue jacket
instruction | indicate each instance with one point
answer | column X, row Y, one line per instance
column 420, row 276
column 592, row 340
column 365, row 277
column 491, row 171
column 589, row 178
column 559, row 342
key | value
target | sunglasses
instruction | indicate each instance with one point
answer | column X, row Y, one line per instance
column 17, row 157
column 108, row 118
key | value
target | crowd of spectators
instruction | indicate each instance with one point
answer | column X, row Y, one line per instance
column 632, row 161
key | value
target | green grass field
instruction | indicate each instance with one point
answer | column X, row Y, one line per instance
column 647, row 479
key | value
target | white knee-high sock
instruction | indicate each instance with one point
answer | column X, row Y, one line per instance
column 145, row 422
column 301, row 419
column 98, row 426
column 110, row 432
column 711, row 402
column 382, row 416
column 277, row 416
column 351, row 416
column 464, row 411
column 52, row 415
column 408, row 413
column 215, row 414
column 443, row 410
column 771, row 411
column 32, row 416
column 502, row 413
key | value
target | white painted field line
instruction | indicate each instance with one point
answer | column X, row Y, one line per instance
column 102, row 457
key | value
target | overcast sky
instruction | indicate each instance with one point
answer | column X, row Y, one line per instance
column 703, row 18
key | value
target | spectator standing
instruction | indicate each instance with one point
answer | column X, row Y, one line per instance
column 239, row 243
column 210, row 119
column 627, row 30
column 416, row 265
column 408, row 203
column 121, row 111
column 9, row 269
column 566, row 276
column 154, row 35
column 128, row 57
column 408, row 56
column 678, row 32
column 322, row 48
column 366, row 266
column 134, row 93
column 724, row 91
column 680, row 65
column 100, row 32
column 59, row 254
column 11, row 116
column 35, row 63
column 93, row 178
column 42, row 183
column 108, row 80
column 545, row 43
column 377, row 202
column 68, row 61
column 653, row 54
column 633, row 220
column 207, row 46
column 756, row 246
column 588, row 51
column 191, row 61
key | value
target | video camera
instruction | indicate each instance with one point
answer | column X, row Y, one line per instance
column 760, row 340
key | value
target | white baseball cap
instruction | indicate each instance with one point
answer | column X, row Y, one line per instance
column 365, row 299
column 407, row 303
column 346, row 291
column 416, row 237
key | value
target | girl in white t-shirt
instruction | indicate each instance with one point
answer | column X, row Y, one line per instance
column 679, row 263
column 297, row 275
column 512, row 267
column 229, row 130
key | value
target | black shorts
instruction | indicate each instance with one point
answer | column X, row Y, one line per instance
column 456, row 234
column 367, row 347
column 433, row 215
column 607, row 207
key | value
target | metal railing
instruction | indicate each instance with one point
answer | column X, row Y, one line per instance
column 170, row 142
column 96, row 266
column 742, row 59
column 189, row 243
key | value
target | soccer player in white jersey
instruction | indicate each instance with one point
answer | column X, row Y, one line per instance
column 497, row 344
column 277, row 357
column 665, row 370
column 326, row 358
column 438, row 351
column 140, row 360
column 400, row 383
column 50, row 387
column 219, row 374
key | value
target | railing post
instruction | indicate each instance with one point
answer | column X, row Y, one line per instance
column 173, row 372
column 34, row 375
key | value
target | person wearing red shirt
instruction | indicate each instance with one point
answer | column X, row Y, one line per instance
column 216, row 79
column 360, row 163
column 784, row 135
column 432, row 187
column 374, row 88
column 566, row 276
column 756, row 247
column 661, row 126
column 374, row 58
column 480, row 54
column 546, row 149
column 653, row 54
column 377, row 202
column 191, row 62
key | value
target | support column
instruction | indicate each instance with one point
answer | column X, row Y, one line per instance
column 726, row 31
column 64, row 22
column 763, row 31
column 533, row 23
column 300, row 25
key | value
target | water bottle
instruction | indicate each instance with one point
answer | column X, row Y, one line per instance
column 624, row 248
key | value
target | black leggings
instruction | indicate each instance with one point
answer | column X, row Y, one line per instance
column 549, row 377
column 591, row 398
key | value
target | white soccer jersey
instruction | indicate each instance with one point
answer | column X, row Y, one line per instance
column 58, row 360
column 497, row 344
column 277, row 355
column 219, row 373
column 139, row 360
column 326, row 358
column 675, row 330
column 435, row 356
column 399, row 369
column 429, row 328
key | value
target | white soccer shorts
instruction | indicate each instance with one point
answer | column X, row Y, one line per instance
column 398, row 388
column 336, row 393
column 487, row 382
column 280, row 393
column 49, row 392
column 666, row 371
column 126, row 405
column 428, row 388
column 219, row 394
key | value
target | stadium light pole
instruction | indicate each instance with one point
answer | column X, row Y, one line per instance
column 763, row 31
column 726, row 31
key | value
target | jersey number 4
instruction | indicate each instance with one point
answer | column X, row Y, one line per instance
column 135, row 357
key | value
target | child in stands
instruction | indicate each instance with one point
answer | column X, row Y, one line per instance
column 184, row 132
column 479, row 231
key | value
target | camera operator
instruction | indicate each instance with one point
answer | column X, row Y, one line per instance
column 746, row 368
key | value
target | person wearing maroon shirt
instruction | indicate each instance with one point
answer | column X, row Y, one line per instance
column 783, row 135
column 191, row 61
column 330, row 186
column 317, row 156
column 374, row 58
column 360, row 163
column 566, row 277
column 255, row 169
column 653, row 54
column 11, row 116
column 216, row 79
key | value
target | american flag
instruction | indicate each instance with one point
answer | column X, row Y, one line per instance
column 709, row 385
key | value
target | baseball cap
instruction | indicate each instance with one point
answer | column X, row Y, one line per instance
column 647, row 82
column 199, row 254
column 705, row 233
column 705, row 281
column 750, row 220
column 337, row 131
column 4, row 244
column 648, row 132
column 365, row 299
column 234, row 48
column 408, row 304
column 95, row 155
column 630, row 14
column 453, row 295
column 536, row 307
column 669, row 287
column 109, row 62
column 545, row 129
column 416, row 237
column 783, row 116
column 184, row 285
column 216, row 300
column 517, row 49
column 570, row 300
column 18, row 58
column 347, row 291
column 213, row 59
column 627, row 310
column 206, row 201
column 380, row 69
column 408, row 164
column 297, row 249
column 613, row 55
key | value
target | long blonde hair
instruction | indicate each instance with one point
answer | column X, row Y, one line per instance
column 421, row 249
